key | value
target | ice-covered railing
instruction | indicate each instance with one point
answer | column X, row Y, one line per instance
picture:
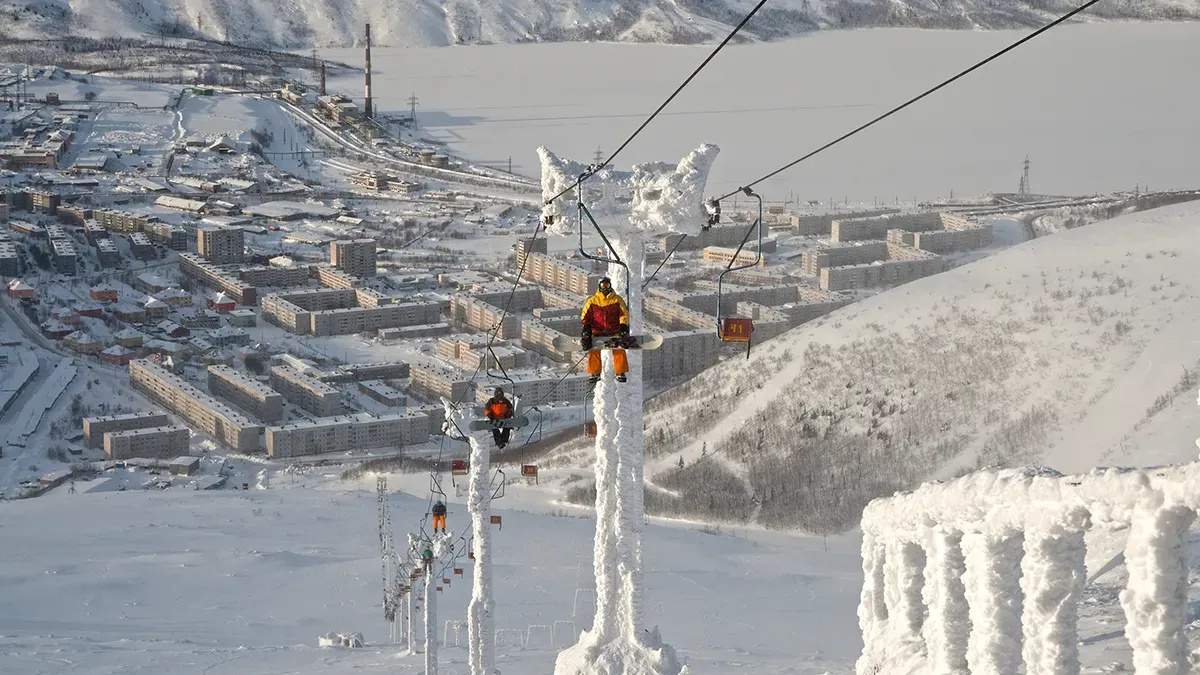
column 983, row 574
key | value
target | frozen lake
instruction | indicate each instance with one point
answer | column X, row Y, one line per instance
column 1096, row 107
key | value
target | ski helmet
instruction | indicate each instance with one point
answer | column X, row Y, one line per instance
column 606, row 285
column 499, row 392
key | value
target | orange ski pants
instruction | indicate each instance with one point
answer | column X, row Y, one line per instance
column 620, row 362
column 439, row 523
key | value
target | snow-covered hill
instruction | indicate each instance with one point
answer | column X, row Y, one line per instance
column 304, row 23
column 1071, row 350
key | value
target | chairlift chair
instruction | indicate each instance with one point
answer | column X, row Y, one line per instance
column 458, row 467
column 737, row 329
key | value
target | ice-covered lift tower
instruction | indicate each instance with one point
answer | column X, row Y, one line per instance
column 630, row 206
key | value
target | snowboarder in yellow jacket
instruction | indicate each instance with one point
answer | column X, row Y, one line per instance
column 605, row 315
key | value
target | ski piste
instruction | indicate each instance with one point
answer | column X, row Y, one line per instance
column 507, row 423
column 571, row 344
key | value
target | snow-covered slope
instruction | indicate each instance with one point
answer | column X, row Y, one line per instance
column 1071, row 350
column 303, row 23
column 230, row 582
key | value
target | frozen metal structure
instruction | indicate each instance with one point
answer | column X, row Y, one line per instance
column 627, row 208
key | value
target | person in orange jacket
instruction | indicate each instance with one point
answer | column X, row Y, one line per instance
column 499, row 408
column 605, row 315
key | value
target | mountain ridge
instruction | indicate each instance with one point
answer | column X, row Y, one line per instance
column 302, row 24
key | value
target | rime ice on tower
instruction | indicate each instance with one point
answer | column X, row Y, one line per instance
column 630, row 206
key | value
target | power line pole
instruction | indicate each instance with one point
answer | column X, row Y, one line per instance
column 412, row 102
column 599, row 156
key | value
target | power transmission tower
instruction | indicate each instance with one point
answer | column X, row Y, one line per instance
column 599, row 156
column 1024, row 188
column 412, row 103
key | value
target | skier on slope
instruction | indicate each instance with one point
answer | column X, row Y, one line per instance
column 499, row 408
column 605, row 315
column 439, row 516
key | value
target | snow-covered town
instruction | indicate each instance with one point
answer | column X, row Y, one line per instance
column 301, row 372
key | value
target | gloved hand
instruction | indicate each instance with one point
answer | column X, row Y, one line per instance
column 623, row 330
column 586, row 342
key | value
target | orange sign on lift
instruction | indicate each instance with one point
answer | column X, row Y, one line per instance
column 458, row 571
column 736, row 330
column 446, row 580
column 589, row 428
column 458, row 467
column 529, row 470
column 496, row 520
column 439, row 589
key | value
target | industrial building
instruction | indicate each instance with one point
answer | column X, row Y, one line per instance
column 349, row 432
column 153, row 443
column 94, row 428
column 306, row 391
column 198, row 408
column 221, row 245
column 353, row 256
column 246, row 392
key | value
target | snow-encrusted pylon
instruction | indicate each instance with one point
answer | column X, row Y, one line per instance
column 665, row 198
column 481, row 639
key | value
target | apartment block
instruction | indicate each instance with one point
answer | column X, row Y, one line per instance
column 822, row 224
column 195, row 267
column 171, row 236
column 198, row 408
column 332, row 277
column 903, row 264
column 221, row 245
column 724, row 256
column 675, row 316
column 956, row 234
column 166, row 442
column 140, row 246
column 65, row 259
column 858, row 253
column 94, row 428
column 108, row 253
column 125, row 222
column 728, row 235
column 473, row 312
column 349, row 432
column 358, row 372
column 10, row 260
column 381, row 392
column 538, row 336
column 812, row 304
column 768, row 321
column 270, row 276
column 353, row 256
column 531, row 387
column 436, row 380
column 561, row 274
column 682, row 354
column 306, row 391
column 246, row 392
column 342, row 311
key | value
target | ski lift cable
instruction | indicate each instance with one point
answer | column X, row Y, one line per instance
column 664, row 262
column 920, row 96
column 593, row 169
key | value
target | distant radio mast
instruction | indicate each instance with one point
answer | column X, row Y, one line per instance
column 1024, row 188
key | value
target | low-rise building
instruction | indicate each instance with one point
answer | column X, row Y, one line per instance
column 381, row 392
column 65, row 259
